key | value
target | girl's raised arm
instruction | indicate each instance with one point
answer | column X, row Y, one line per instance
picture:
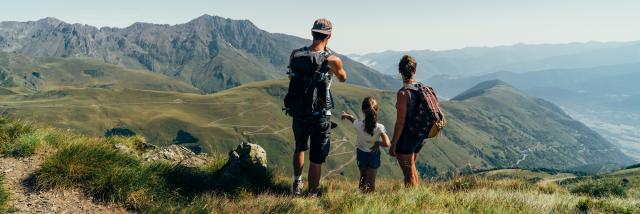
column 347, row 116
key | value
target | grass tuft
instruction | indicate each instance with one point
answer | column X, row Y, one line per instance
column 4, row 195
column 603, row 188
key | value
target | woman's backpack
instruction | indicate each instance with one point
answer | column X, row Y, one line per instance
column 427, row 119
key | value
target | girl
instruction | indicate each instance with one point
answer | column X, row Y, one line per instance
column 370, row 135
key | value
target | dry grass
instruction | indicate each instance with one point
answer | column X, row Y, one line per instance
column 4, row 195
column 96, row 167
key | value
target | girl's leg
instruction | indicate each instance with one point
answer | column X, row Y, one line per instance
column 405, row 162
column 371, row 179
column 363, row 179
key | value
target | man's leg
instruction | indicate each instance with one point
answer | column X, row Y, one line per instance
column 318, row 151
column 298, row 163
column 315, row 170
column 301, row 137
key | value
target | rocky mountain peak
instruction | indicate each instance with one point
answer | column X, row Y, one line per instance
column 50, row 21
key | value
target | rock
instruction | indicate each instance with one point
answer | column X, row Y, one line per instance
column 177, row 154
column 247, row 157
column 123, row 148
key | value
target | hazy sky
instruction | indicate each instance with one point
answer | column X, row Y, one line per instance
column 372, row 26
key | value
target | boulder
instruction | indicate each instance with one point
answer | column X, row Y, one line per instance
column 177, row 154
column 246, row 158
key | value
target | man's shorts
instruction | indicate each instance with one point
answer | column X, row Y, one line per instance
column 369, row 160
column 313, row 134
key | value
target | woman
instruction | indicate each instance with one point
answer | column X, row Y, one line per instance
column 404, row 145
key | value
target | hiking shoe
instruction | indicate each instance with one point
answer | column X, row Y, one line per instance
column 314, row 193
column 296, row 189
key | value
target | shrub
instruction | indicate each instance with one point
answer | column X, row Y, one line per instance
column 27, row 144
column 10, row 131
column 606, row 206
column 584, row 205
column 184, row 137
column 119, row 131
column 600, row 188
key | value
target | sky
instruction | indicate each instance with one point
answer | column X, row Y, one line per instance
column 372, row 26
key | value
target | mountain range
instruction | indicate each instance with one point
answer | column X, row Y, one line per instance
column 211, row 53
column 607, row 98
column 473, row 61
column 213, row 82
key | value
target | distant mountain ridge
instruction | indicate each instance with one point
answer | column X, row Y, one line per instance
column 514, row 58
column 211, row 53
column 607, row 98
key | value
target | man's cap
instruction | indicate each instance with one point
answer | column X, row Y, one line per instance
column 322, row 26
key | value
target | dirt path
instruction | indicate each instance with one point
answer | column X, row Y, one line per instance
column 22, row 200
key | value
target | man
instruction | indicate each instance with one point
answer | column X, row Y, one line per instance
column 309, row 102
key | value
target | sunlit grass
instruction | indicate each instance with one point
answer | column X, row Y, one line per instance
column 96, row 167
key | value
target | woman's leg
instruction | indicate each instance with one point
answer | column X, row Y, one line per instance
column 414, row 170
column 406, row 165
column 371, row 179
column 363, row 179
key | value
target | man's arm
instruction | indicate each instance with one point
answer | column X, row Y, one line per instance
column 335, row 63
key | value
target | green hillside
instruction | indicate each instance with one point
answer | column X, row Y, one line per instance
column 497, row 127
column 25, row 74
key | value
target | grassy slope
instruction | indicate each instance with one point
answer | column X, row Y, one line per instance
column 220, row 121
column 56, row 73
column 484, row 131
column 94, row 166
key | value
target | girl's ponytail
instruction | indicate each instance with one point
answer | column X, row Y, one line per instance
column 370, row 110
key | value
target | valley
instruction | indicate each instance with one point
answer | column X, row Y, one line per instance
column 491, row 126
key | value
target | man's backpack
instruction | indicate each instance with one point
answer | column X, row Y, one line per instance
column 308, row 95
column 427, row 119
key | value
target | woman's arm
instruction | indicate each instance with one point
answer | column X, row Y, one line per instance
column 401, row 107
